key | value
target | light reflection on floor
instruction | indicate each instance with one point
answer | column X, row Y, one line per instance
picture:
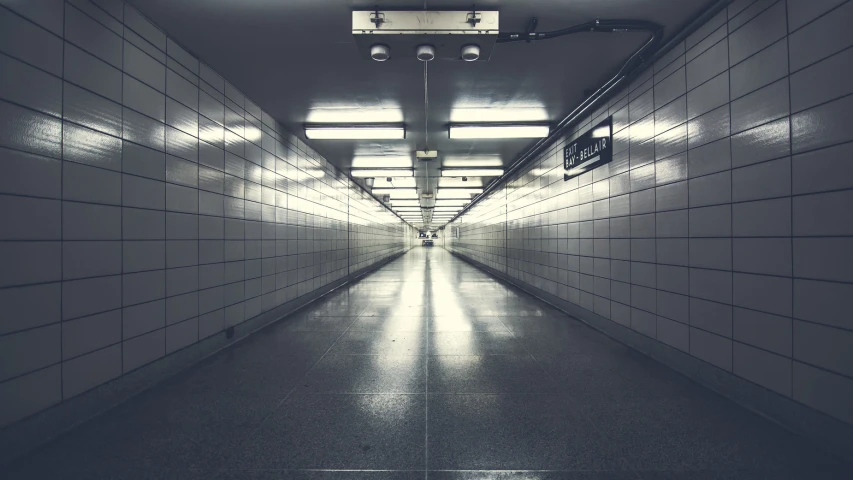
column 427, row 368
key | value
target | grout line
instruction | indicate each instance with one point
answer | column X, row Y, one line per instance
column 655, row 167
column 121, row 198
column 731, row 194
column 62, row 217
column 198, row 222
column 354, row 470
column 791, row 152
column 824, row 14
column 427, row 318
column 165, row 216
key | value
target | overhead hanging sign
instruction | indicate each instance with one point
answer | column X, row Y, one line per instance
column 592, row 149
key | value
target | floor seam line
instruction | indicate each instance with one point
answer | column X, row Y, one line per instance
column 427, row 319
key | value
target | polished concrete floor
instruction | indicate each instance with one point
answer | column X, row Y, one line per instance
column 428, row 368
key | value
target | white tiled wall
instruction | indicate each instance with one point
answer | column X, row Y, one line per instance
column 146, row 204
column 722, row 227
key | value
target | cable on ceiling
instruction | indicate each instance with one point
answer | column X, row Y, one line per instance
column 599, row 26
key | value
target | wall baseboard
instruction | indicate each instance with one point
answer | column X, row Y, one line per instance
column 818, row 428
column 27, row 434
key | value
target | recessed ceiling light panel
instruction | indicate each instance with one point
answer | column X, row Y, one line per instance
column 472, row 161
column 458, row 193
column 355, row 132
column 402, row 193
column 472, row 172
column 498, row 130
column 381, row 173
column 406, row 203
column 381, row 162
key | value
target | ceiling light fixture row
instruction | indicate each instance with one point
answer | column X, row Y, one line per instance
column 472, row 172
column 389, row 161
column 381, row 173
column 355, row 132
column 467, row 131
column 498, row 130
column 406, row 203
column 467, row 35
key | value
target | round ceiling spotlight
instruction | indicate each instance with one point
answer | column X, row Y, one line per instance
column 470, row 52
column 426, row 53
column 380, row 52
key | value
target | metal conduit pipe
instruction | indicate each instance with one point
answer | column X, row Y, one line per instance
column 604, row 26
column 636, row 64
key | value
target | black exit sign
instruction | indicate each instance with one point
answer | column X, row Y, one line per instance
column 592, row 149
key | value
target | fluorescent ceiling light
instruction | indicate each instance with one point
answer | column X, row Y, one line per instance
column 406, row 203
column 381, row 162
column 405, row 193
column 499, row 130
column 451, row 203
column 461, row 113
column 385, row 111
column 355, row 132
column 458, row 182
column 470, row 191
column 407, row 210
column 438, row 210
column 396, row 182
column 472, row 172
column 381, row 173
column 456, row 194
column 472, row 161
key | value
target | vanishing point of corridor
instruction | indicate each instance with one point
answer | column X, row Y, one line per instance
column 427, row 368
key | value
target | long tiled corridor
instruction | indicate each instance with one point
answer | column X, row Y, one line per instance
column 428, row 368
